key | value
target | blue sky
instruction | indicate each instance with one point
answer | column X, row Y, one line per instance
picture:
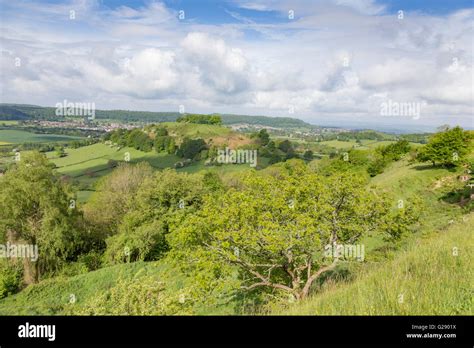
column 214, row 11
column 335, row 62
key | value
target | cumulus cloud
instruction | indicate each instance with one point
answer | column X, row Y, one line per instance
column 223, row 68
column 336, row 58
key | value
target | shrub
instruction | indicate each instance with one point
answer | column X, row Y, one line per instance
column 10, row 278
column 142, row 296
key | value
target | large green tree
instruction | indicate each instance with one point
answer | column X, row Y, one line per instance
column 113, row 198
column 447, row 148
column 274, row 230
column 190, row 148
column 36, row 209
column 162, row 198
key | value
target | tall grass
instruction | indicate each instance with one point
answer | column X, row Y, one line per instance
column 433, row 276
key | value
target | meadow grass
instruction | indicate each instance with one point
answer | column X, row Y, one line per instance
column 52, row 296
column 338, row 144
column 89, row 163
column 193, row 130
column 365, row 144
column 432, row 276
column 14, row 136
column 8, row 123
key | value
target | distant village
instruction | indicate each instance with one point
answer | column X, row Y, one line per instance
column 82, row 124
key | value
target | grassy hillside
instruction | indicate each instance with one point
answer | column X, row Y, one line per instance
column 212, row 134
column 89, row 163
column 193, row 130
column 431, row 271
column 423, row 276
column 52, row 296
column 430, row 277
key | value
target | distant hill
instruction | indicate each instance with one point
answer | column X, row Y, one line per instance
column 8, row 112
column 280, row 122
column 25, row 112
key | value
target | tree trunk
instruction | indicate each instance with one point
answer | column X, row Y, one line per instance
column 30, row 268
column 30, row 271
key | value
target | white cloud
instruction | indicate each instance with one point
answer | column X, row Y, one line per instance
column 330, row 61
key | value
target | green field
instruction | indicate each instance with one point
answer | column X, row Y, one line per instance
column 366, row 144
column 338, row 144
column 8, row 123
column 89, row 163
column 14, row 136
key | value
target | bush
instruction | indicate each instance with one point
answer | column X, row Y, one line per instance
column 92, row 260
column 308, row 155
column 201, row 119
column 377, row 166
column 73, row 269
column 141, row 296
column 190, row 148
column 10, row 278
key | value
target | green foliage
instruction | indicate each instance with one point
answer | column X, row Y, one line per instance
column 142, row 296
column 161, row 131
column 163, row 143
column 274, row 230
column 377, row 166
column 73, row 269
column 92, row 260
column 190, row 148
column 139, row 140
column 448, row 148
column 430, row 277
column 60, row 152
column 285, row 146
column 11, row 275
column 213, row 182
column 384, row 155
column 135, row 138
column 308, row 155
column 263, row 137
column 395, row 151
column 166, row 197
column 400, row 220
column 118, row 136
column 113, row 198
column 171, row 149
column 357, row 157
column 34, row 209
column 201, row 119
